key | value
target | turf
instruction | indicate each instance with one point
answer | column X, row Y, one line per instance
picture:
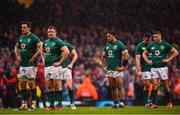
column 136, row 110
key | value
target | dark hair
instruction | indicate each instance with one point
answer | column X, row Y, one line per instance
column 26, row 22
column 157, row 32
column 52, row 27
column 147, row 35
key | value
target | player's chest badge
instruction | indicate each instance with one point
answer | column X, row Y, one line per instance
column 143, row 48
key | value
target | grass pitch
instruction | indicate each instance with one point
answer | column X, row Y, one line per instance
column 135, row 110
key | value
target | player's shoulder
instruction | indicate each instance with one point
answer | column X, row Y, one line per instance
column 139, row 44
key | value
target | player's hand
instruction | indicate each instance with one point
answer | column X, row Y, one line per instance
column 139, row 73
column 150, row 62
column 69, row 66
column 56, row 64
column 18, row 58
column 165, row 61
column 31, row 60
column 120, row 69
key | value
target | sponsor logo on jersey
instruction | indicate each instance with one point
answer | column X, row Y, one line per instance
column 157, row 52
column 143, row 48
column 48, row 49
column 23, row 46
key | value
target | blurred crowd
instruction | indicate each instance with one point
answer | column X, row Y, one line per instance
column 85, row 24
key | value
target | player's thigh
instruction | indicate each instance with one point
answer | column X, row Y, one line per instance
column 23, row 83
column 166, row 84
column 119, row 81
column 111, row 81
column 50, row 84
column 58, row 84
column 32, row 83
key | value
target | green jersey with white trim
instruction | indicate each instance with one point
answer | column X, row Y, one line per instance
column 113, row 53
column 139, row 51
column 28, row 47
column 158, row 52
column 52, row 50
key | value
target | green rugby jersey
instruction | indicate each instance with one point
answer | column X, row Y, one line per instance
column 113, row 53
column 139, row 51
column 52, row 50
column 28, row 47
column 158, row 52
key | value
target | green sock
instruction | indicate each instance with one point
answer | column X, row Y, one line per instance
column 71, row 95
column 145, row 95
column 51, row 98
column 33, row 94
column 59, row 98
column 24, row 94
column 169, row 96
column 154, row 96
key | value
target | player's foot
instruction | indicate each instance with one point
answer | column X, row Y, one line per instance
column 115, row 106
column 121, row 105
column 23, row 106
column 169, row 105
column 58, row 108
column 148, row 105
column 72, row 106
column 33, row 106
column 48, row 108
column 154, row 106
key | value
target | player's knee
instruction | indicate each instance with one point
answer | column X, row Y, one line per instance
column 69, row 87
column 113, row 88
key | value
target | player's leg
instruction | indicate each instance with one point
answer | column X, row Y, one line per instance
column 67, row 75
column 51, row 93
column 155, row 85
column 146, row 83
column 70, row 92
column 168, row 93
column 50, row 86
column 58, row 93
column 31, row 76
column 121, row 92
column 165, row 81
column 113, row 91
column 23, row 92
column 32, row 86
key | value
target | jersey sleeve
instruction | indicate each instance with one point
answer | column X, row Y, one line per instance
column 36, row 39
column 70, row 47
column 60, row 44
column 122, row 46
column 169, row 46
column 138, row 50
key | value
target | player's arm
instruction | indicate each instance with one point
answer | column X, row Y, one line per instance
column 39, row 48
column 65, row 53
column 149, row 62
column 125, row 56
column 17, row 52
column 74, row 58
column 173, row 53
column 138, row 65
column 103, row 58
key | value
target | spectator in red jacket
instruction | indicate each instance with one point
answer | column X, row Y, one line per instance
column 11, row 81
